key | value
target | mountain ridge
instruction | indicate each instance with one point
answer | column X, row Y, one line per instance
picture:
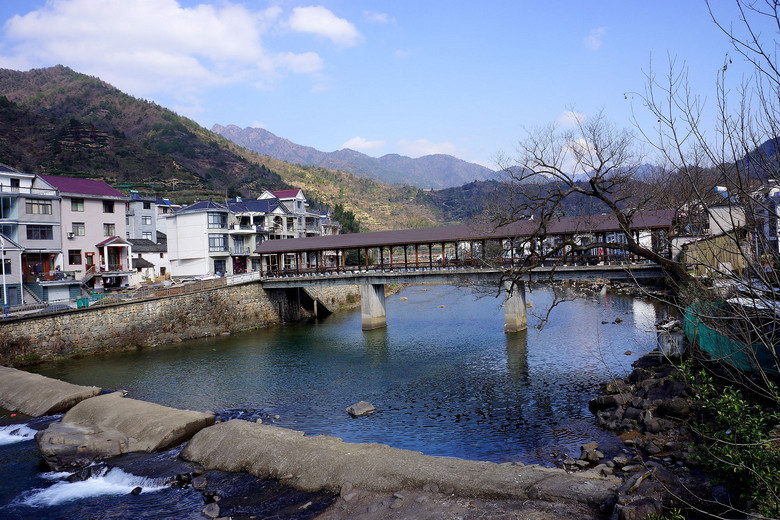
column 58, row 121
column 434, row 171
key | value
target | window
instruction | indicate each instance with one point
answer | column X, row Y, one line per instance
column 146, row 220
column 218, row 242
column 38, row 207
column 217, row 220
column 77, row 204
column 219, row 267
column 162, row 255
column 6, row 266
column 39, row 233
column 108, row 206
column 74, row 256
column 78, row 229
column 146, row 235
column 147, row 205
column 109, row 230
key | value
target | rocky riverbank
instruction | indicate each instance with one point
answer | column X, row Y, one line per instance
column 649, row 410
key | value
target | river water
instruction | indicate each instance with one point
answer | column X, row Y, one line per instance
column 443, row 376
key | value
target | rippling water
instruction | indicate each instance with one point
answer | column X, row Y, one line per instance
column 444, row 377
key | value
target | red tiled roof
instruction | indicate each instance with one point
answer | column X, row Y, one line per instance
column 113, row 241
column 286, row 194
column 73, row 185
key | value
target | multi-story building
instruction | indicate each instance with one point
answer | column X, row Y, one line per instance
column 30, row 218
column 293, row 220
column 93, row 231
column 141, row 217
column 221, row 238
column 198, row 239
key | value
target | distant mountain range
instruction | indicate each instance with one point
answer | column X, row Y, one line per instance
column 430, row 171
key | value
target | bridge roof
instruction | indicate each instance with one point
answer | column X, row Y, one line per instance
column 464, row 233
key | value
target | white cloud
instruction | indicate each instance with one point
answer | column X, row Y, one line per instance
column 595, row 38
column 320, row 21
column 380, row 18
column 421, row 147
column 147, row 46
column 305, row 63
column 359, row 143
column 570, row 118
column 258, row 124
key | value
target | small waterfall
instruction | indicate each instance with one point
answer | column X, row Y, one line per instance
column 103, row 481
column 14, row 433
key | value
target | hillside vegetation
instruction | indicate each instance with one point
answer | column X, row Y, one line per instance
column 61, row 122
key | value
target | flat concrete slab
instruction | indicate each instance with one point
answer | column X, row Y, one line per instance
column 327, row 463
column 36, row 395
column 147, row 426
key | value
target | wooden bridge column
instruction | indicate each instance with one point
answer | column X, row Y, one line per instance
column 515, row 318
column 372, row 306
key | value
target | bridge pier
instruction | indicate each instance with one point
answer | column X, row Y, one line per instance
column 372, row 306
column 515, row 317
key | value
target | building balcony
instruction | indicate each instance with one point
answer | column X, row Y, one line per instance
column 238, row 229
column 240, row 251
column 19, row 190
column 51, row 276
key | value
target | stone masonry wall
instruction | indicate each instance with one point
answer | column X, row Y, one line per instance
column 151, row 323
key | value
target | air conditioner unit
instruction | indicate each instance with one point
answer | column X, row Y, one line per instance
column 70, row 234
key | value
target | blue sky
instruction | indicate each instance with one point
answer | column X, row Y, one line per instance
column 409, row 77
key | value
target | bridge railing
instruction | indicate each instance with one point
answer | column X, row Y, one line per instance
column 451, row 263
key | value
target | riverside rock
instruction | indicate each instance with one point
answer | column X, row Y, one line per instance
column 361, row 409
column 110, row 425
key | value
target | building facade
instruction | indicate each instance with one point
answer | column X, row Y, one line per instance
column 93, row 231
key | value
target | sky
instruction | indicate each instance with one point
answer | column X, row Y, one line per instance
column 461, row 77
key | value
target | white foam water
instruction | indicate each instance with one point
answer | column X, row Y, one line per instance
column 112, row 481
column 14, row 433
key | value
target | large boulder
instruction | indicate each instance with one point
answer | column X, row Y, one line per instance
column 67, row 446
column 126, row 425
column 36, row 395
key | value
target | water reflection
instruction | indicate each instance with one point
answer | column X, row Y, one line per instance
column 517, row 356
column 445, row 380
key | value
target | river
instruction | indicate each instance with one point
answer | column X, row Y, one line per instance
column 443, row 376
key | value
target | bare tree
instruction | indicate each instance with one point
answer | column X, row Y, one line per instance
column 722, row 180
column 590, row 168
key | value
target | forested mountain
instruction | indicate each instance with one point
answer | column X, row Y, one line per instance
column 430, row 171
column 61, row 122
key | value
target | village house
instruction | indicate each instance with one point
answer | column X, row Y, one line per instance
column 30, row 219
column 215, row 238
column 150, row 258
column 141, row 217
column 93, row 230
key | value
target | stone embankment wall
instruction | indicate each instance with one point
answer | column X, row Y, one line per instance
column 155, row 322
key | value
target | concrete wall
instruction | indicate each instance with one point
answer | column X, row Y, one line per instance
column 155, row 322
